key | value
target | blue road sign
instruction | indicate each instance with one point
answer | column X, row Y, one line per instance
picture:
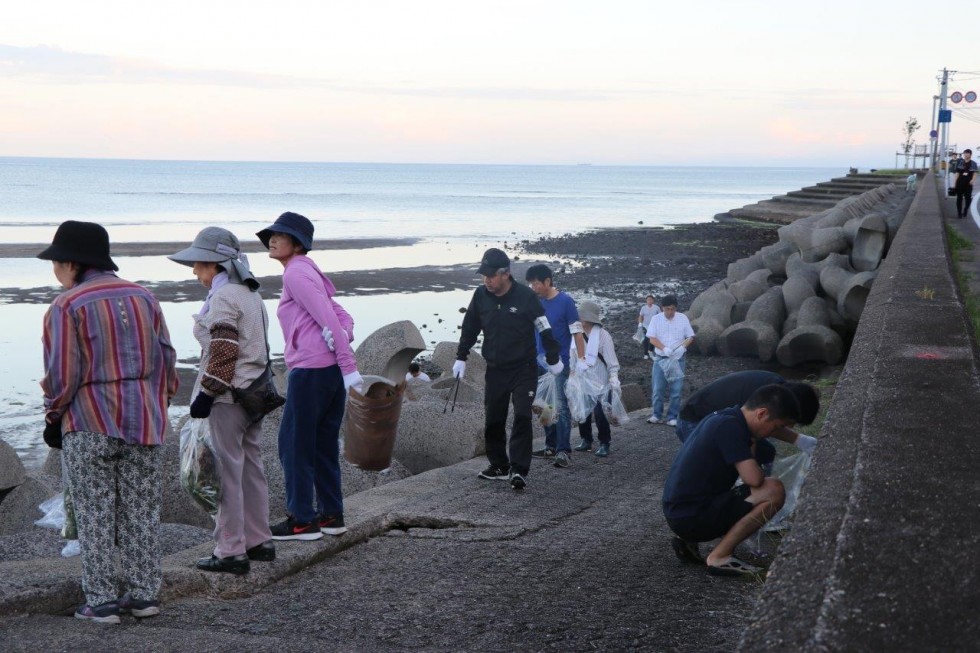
column 945, row 115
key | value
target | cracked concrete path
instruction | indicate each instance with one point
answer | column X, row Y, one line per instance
column 578, row 561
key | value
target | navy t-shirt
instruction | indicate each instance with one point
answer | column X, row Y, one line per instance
column 705, row 466
column 729, row 390
column 560, row 311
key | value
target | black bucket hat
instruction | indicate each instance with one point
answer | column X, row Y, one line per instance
column 86, row 243
column 296, row 225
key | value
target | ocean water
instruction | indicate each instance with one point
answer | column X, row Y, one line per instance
column 455, row 211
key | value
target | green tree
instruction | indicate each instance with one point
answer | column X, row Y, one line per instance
column 911, row 126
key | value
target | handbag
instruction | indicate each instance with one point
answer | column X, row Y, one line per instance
column 261, row 396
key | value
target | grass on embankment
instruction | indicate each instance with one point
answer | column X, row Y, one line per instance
column 959, row 251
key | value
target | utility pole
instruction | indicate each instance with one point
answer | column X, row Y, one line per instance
column 934, row 129
column 943, row 93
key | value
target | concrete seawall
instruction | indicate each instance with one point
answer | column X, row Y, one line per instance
column 881, row 553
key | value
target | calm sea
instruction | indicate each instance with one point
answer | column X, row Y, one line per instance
column 455, row 209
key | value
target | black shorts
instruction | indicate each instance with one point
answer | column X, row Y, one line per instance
column 716, row 518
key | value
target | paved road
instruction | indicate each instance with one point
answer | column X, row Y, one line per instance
column 580, row 561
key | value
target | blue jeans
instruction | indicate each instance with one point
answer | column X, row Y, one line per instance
column 558, row 436
column 661, row 386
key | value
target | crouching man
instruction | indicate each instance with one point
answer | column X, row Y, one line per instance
column 699, row 500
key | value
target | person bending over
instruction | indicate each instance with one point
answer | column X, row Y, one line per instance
column 701, row 502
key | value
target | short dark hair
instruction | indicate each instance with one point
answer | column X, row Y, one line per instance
column 967, row 151
column 414, row 367
column 651, row 297
column 777, row 399
column 669, row 300
column 539, row 272
column 296, row 243
column 808, row 398
column 80, row 270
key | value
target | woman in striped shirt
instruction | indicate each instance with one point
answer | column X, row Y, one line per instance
column 109, row 375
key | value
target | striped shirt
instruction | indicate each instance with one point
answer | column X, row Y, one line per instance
column 109, row 365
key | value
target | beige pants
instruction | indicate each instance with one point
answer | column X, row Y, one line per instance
column 243, row 515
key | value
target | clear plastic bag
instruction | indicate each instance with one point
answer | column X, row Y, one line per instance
column 546, row 400
column 199, row 472
column 641, row 334
column 615, row 411
column 582, row 394
column 71, row 548
column 54, row 513
column 792, row 471
column 671, row 369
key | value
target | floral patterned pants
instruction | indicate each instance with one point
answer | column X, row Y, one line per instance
column 117, row 492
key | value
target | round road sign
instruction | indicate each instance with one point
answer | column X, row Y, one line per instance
column 970, row 96
column 956, row 97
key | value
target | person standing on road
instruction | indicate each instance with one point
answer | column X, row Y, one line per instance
column 734, row 390
column 966, row 173
column 671, row 334
column 231, row 328
column 322, row 369
column 647, row 311
column 562, row 315
column 599, row 352
column 508, row 314
column 109, row 376
column 701, row 502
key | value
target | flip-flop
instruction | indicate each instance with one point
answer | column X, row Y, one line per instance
column 687, row 551
column 734, row 567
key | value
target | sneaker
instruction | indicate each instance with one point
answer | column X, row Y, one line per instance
column 238, row 565
column 584, row 445
column 547, row 452
column 654, row 420
column 603, row 450
column 672, row 422
column 686, row 551
column 290, row 529
column 517, row 481
column 332, row 524
column 495, row 473
column 562, row 460
column 107, row 613
column 137, row 608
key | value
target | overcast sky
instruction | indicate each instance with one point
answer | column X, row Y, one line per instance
column 613, row 82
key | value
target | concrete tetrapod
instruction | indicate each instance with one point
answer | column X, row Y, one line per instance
column 812, row 339
column 774, row 256
column 698, row 304
column 388, row 351
column 854, row 294
column 444, row 356
column 834, row 277
column 869, row 245
column 741, row 268
column 716, row 315
column 12, row 471
column 758, row 335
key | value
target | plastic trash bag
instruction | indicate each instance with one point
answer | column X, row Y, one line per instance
column 641, row 334
column 199, row 473
column 582, row 393
column 545, row 404
column 792, row 471
column 671, row 369
column 54, row 513
column 615, row 411
column 72, row 548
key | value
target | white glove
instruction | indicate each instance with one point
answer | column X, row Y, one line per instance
column 354, row 380
column 667, row 351
column 614, row 382
column 806, row 443
column 581, row 365
column 557, row 368
column 678, row 352
column 459, row 369
column 328, row 338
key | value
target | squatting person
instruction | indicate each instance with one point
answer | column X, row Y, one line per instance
column 508, row 314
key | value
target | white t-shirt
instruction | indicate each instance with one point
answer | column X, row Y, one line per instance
column 647, row 313
column 670, row 332
column 421, row 378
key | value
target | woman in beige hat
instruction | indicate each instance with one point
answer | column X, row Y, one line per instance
column 599, row 352
column 232, row 328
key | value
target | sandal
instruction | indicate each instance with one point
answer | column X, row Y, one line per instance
column 734, row 567
column 687, row 551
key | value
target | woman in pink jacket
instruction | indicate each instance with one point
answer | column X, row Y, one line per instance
column 318, row 333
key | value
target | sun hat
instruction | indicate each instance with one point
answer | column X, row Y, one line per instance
column 493, row 261
column 294, row 224
column 217, row 245
column 590, row 312
column 86, row 243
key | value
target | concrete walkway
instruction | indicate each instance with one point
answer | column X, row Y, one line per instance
column 446, row 561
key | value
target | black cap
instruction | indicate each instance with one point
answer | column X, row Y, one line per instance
column 493, row 261
column 86, row 243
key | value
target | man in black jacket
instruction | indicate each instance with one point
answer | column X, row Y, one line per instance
column 508, row 313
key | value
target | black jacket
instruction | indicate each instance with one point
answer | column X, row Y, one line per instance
column 508, row 324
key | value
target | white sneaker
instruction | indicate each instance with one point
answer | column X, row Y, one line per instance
column 672, row 422
column 654, row 420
